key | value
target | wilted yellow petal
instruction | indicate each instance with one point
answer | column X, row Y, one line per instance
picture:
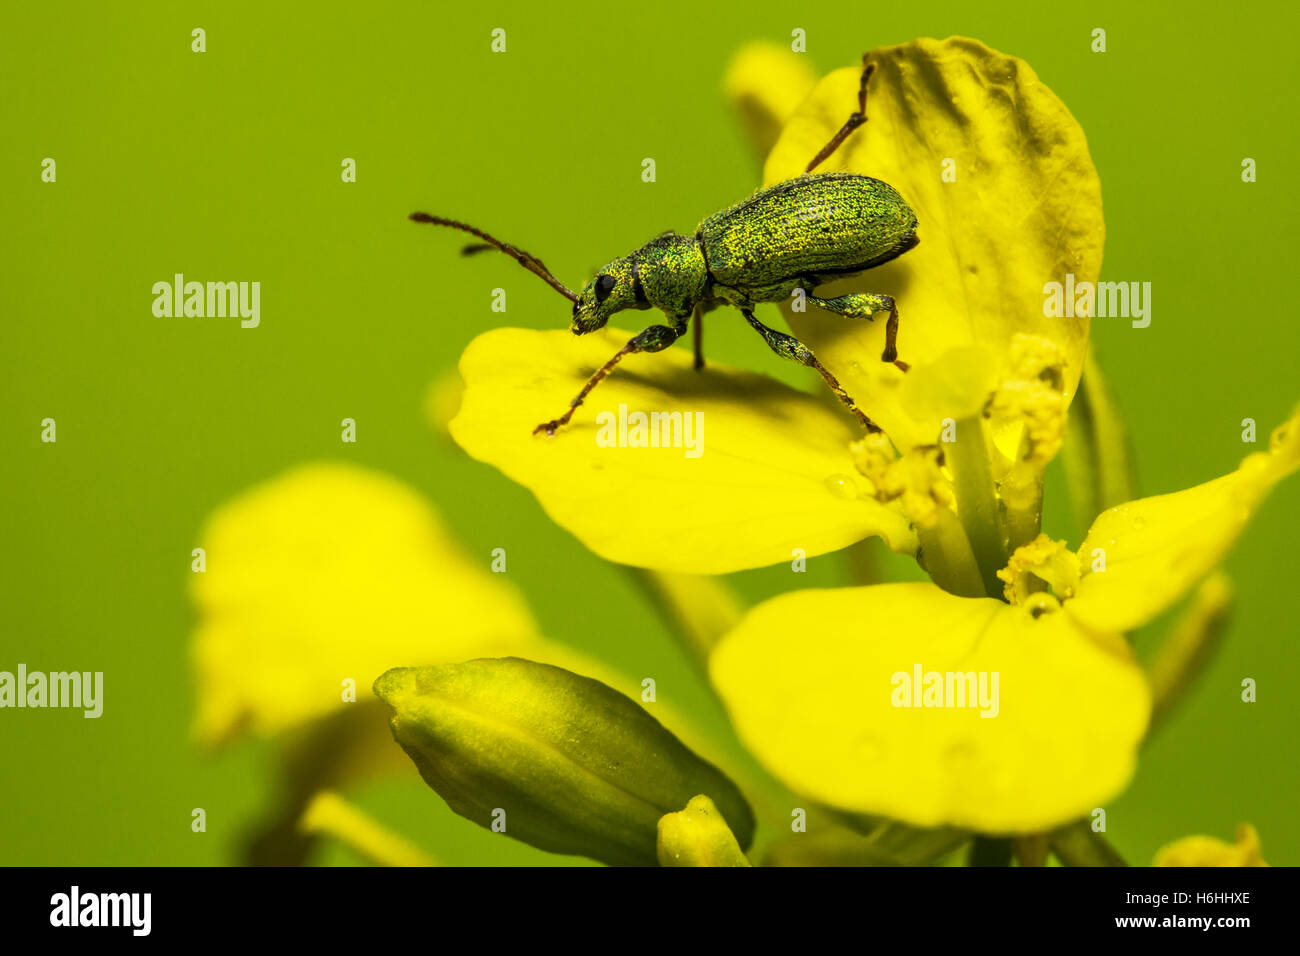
column 767, row 468
column 1207, row 851
column 1155, row 550
column 333, row 572
column 811, row 680
column 1024, row 209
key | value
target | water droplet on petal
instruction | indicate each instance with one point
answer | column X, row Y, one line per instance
column 842, row 486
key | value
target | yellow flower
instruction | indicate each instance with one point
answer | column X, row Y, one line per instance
column 1008, row 200
column 333, row 573
column 776, row 472
column 1207, row 851
column 316, row 582
column 807, row 677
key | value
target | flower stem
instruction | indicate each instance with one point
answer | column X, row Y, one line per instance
column 330, row 814
column 1024, row 510
column 946, row 555
column 990, row 851
column 1079, row 845
column 977, row 503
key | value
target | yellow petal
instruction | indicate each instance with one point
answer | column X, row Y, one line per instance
column 333, row 572
column 1157, row 549
column 773, row 472
column 1024, row 210
column 810, row 680
column 1207, row 851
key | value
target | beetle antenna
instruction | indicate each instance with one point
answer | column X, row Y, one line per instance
column 529, row 262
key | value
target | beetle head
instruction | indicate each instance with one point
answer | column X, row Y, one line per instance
column 611, row 290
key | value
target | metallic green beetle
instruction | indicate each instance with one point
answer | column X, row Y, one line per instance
column 795, row 235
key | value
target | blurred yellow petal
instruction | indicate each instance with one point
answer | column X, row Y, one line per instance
column 765, row 83
column 1023, row 210
column 1158, row 549
column 773, row 473
column 810, row 680
column 332, row 572
column 1207, row 851
column 442, row 401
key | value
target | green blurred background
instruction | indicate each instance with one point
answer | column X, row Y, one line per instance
column 226, row 165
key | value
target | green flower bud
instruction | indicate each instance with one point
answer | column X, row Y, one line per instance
column 698, row 836
column 557, row 760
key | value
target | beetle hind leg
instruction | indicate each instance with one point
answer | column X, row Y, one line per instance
column 855, row 119
column 864, row 305
column 787, row 346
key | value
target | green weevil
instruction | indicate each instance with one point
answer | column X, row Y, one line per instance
column 791, row 236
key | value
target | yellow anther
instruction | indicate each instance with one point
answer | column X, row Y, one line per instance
column 916, row 479
column 1033, row 357
column 1032, row 396
column 1038, row 564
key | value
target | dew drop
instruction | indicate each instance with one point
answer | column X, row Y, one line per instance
column 842, row 486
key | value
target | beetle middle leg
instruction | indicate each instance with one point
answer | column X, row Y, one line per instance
column 853, row 122
column 787, row 346
column 698, row 321
column 654, row 339
column 864, row 305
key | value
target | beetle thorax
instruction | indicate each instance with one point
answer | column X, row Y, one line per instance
column 672, row 272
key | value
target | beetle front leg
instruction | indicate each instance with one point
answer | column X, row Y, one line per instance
column 864, row 305
column 787, row 346
column 654, row 339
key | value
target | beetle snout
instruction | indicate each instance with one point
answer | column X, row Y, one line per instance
column 587, row 318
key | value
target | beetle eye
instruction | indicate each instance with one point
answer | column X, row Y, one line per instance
column 604, row 286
